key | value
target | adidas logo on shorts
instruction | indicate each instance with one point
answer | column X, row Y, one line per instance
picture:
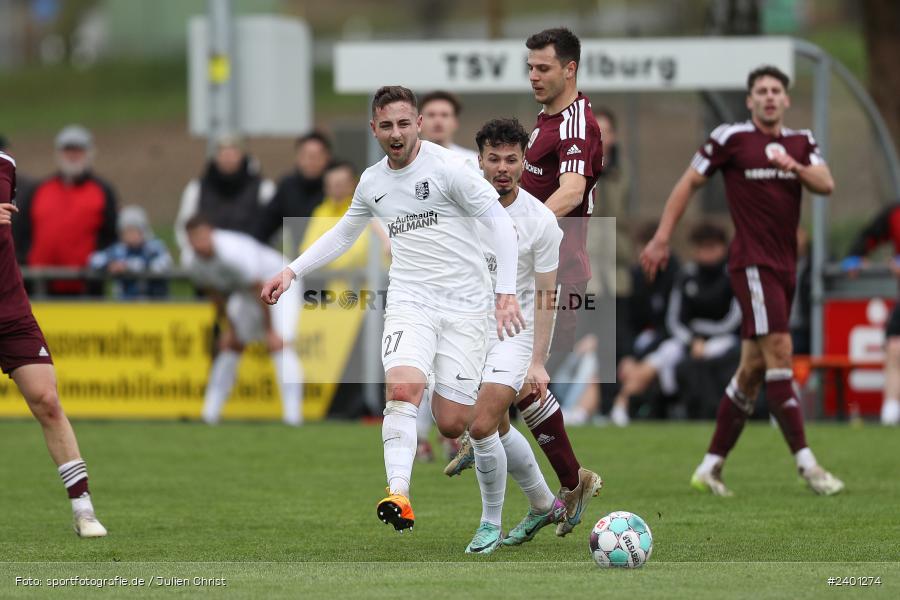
column 43, row 352
column 573, row 149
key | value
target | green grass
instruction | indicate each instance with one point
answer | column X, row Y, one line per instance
column 291, row 513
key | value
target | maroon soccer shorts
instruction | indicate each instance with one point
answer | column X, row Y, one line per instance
column 22, row 343
column 765, row 296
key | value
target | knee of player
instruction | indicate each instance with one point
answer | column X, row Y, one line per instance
column 482, row 427
column 404, row 392
column 45, row 404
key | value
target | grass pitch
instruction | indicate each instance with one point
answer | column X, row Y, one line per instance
column 277, row 512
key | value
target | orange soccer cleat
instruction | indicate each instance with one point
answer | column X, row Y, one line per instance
column 397, row 511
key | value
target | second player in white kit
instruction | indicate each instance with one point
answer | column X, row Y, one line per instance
column 515, row 365
column 439, row 295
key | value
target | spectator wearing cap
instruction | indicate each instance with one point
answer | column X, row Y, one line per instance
column 137, row 251
column 69, row 215
column 299, row 192
column 231, row 194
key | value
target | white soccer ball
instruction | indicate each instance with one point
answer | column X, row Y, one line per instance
column 621, row 539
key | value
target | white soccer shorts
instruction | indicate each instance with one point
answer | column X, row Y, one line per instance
column 665, row 359
column 452, row 346
column 507, row 361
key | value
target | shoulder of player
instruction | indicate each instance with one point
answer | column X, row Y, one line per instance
column 807, row 133
column 536, row 212
column 577, row 120
column 7, row 159
column 731, row 131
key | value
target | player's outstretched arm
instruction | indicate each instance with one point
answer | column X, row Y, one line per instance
column 544, row 307
column 507, row 311
column 331, row 245
column 655, row 255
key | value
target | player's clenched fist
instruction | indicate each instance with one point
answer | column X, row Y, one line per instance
column 277, row 286
column 509, row 315
column 6, row 213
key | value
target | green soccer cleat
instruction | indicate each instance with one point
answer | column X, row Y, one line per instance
column 710, row 482
column 534, row 522
column 464, row 459
column 487, row 539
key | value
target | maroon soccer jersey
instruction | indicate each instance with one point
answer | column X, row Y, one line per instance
column 13, row 301
column 764, row 202
column 567, row 142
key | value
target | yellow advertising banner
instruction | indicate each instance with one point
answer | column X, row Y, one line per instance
column 151, row 360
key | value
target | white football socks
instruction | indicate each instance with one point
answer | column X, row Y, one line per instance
column 218, row 388
column 490, row 469
column 709, row 461
column 398, row 433
column 290, row 381
column 805, row 459
column 523, row 468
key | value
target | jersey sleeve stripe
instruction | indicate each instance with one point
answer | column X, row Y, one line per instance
column 581, row 167
column 582, row 125
column 816, row 159
column 7, row 157
column 700, row 163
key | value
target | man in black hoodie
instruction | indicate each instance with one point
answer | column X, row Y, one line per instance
column 299, row 192
column 231, row 194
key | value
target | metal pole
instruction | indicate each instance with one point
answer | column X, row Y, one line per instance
column 220, row 72
column 821, row 90
column 372, row 369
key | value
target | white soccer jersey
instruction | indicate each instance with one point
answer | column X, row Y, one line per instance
column 428, row 209
column 240, row 261
column 539, row 237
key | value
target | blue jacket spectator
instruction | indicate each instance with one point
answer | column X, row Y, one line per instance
column 137, row 251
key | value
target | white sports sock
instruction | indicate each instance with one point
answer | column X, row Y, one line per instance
column 490, row 469
column 290, row 381
column 82, row 503
column 218, row 388
column 424, row 419
column 398, row 433
column 805, row 459
column 523, row 468
column 709, row 461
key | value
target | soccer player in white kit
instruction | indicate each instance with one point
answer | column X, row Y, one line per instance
column 515, row 366
column 233, row 267
column 439, row 296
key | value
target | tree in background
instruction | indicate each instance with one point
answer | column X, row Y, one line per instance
column 881, row 19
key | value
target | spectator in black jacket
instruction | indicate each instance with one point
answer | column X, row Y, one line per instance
column 299, row 192
column 231, row 194
column 702, row 318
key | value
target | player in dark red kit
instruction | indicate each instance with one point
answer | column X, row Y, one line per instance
column 25, row 357
column 562, row 163
column 765, row 166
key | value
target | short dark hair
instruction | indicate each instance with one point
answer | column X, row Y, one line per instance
column 608, row 114
column 566, row 44
column 198, row 220
column 708, row 233
column 501, row 131
column 341, row 164
column 441, row 95
column 389, row 94
column 767, row 71
column 313, row 136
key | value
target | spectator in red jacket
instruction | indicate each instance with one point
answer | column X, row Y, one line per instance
column 69, row 215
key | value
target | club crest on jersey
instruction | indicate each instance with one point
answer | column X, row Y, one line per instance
column 533, row 136
column 422, row 190
column 774, row 149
